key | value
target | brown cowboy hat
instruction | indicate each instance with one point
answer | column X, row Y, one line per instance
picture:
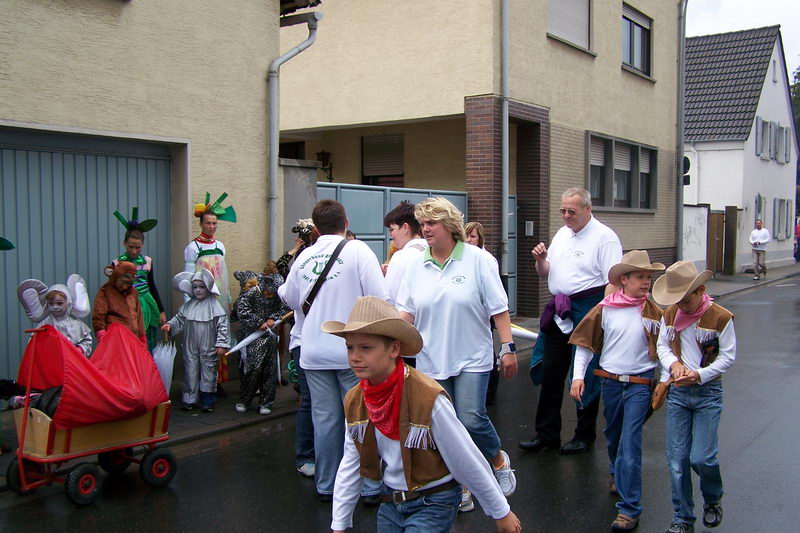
column 633, row 261
column 373, row 316
column 679, row 280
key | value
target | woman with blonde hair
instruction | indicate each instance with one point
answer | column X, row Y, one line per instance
column 450, row 296
column 474, row 234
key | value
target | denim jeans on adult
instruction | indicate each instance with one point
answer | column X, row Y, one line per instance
column 693, row 414
column 625, row 407
column 304, row 426
column 434, row 513
column 328, row 388
column 468, row 392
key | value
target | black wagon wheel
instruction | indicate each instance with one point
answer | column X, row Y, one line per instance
column 115, row 462
column 14, row 479
column 81, row 484
column 158, row 467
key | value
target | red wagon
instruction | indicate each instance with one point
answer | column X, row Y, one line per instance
column 109, row 405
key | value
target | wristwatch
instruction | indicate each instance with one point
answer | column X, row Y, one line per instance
column 507, row 347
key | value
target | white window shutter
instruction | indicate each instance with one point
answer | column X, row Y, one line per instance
column 622, row 157
column 597, row 152
column 644, row 160
column 631, row 14
column 759, row 141
column 775, row 211
column 569, row 20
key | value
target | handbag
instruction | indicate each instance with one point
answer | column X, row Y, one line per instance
column 660, row 394
column 321, row 279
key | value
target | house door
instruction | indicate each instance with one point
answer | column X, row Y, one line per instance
column 715, row 240
column 59, row 193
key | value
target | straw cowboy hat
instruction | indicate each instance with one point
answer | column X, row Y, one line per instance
column 633, row 261
column 374, row 316
column 679, row 280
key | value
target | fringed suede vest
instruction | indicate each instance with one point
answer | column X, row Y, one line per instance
column 589, row 332
column 422, row 463
column 708, row 329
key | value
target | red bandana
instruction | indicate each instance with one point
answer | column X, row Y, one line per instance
column 383, row 401
column 205, row 239
column 683, row 320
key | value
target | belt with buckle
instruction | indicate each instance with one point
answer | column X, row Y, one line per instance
column 623, row 378
column 400, row 496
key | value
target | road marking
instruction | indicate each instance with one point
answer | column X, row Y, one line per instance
column 786, row 285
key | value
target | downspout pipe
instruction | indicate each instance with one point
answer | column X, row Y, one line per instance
column 504, row 142
column 311, row 19
column 682, row 4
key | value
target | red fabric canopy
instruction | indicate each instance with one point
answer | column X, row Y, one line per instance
column 120, row 381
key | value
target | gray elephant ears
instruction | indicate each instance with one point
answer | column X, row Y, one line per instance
column 81, row 305
column 31, row 294
column 182, row 281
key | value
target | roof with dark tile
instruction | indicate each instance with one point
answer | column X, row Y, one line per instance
column 724, row 76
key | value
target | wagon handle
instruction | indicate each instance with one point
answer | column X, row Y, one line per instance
column 35, row 330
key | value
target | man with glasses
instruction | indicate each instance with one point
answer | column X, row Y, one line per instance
column 576, row 267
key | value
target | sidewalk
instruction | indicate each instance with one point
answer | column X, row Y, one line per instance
column 188, row 426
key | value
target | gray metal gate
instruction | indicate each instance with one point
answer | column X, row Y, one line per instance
column 59, row 193
column 366, row 205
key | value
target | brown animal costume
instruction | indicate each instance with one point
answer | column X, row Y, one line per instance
column 114, row 306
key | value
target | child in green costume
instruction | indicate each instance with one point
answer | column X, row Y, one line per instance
column 152, row 309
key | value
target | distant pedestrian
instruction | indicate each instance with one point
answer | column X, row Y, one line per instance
column 576, row 269
column 450, row 296
column 355, row 272
column 406, row 236
column 696, row 345
column 624, row 328
column 403, row 430
column 759, row 238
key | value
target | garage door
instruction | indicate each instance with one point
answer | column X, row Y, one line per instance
column 58, row 194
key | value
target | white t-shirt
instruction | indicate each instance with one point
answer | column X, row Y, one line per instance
column 398, row 265
column 462, row 457
column 580, row 261
column 452, row 307
column 690, row 352
column 625, row 349
column 760, row 236
column 356, row 273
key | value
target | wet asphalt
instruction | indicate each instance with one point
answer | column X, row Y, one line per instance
column 245, row 480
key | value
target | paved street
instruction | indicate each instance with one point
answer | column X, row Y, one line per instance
column 244, row 480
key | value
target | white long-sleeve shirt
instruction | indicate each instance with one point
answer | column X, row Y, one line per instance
column 625, row 349
column 400, row 262
column 465, row 462
column 759, row 238
column 690, row 352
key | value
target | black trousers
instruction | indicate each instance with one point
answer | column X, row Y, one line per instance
column 555, row 367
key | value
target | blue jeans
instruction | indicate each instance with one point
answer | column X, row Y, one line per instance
column 468, row 392
column 693, row 414
column 304, row 426
column 327, row 388
column 434, row 513
column 625, row 407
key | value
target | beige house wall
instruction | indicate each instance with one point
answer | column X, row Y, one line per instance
column 182, row 69
column 383, row 61
column 434, row 152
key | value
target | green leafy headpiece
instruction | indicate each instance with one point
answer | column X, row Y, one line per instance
column 134, row 222
column 227, row 214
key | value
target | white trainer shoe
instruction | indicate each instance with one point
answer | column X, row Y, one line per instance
column 467, row 504
column 308, row 470
column 264, row 411
column 505, row 476
column 240, row 408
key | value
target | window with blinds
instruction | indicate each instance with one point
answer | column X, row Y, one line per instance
column 621, row 174
column 382, row 160
column 636, row 29
column 569, row 20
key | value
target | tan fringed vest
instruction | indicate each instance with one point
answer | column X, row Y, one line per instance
column 709, row 327
column 422, row 463
column 589, row 332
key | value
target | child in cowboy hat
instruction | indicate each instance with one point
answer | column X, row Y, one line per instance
column 696, row 345
column 623, row 327
column 404, row 419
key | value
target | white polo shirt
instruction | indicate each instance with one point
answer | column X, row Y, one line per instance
column 580, row 261
column 452, row 305
column 357, row 272
column 399, row 263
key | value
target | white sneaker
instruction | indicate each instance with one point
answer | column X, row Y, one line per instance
column 264, row 411
column 308, row 470
column 505, row 476
column 466, row 504
column 240, row 408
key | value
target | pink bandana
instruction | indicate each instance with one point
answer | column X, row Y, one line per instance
column 683, row 321
column 620, row 299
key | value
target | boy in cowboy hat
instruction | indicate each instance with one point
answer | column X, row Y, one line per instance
column 404, row 419
column 697, row 343
column 623, row 327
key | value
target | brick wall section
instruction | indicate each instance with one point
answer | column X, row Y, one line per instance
column 484, row 182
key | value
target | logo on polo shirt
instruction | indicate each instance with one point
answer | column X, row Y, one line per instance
column 458, row 280
column 578, row 253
